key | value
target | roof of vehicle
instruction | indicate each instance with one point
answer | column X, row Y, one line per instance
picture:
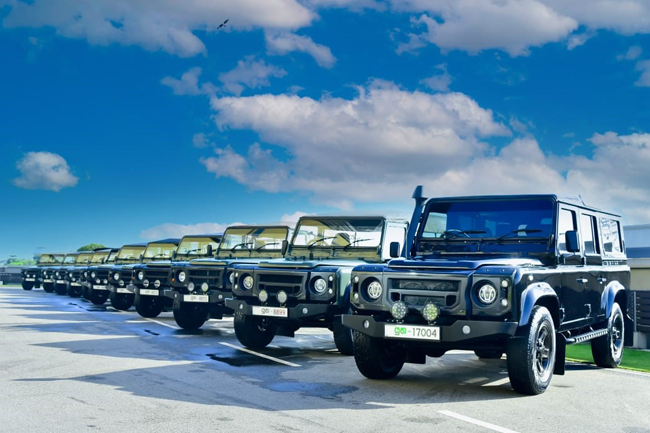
column 206, row 235
column 567, row 200
column 255, row 226
column 144, row 244
column 175, row 241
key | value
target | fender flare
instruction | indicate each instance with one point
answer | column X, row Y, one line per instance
column 609, row 295
column 531, row 296
column 345, row 299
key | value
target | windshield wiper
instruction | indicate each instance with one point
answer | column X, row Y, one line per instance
column 526, row 231
column 232, row 250
column 354, row 242
column 450, row 234
column 310, row 246
column 265, row 245
column 157, row 255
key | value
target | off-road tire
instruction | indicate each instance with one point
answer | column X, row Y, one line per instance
column 148, row 306
column 121, row 301
column 608, row 349
column 85, row 293
column 73, row 291
column 377, row 358
column 60, row 289
column 489, row 353
column 48, row 287
column 253, row 332
column 27, row 285
column 531, row 355
column 190, row 316
column 343, row 337
column 97, row 297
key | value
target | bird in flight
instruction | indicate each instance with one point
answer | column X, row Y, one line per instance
column 223, row 24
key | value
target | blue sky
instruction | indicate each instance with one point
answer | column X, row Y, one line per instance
column 125, row 121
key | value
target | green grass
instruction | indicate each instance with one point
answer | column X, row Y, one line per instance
column 633, row 359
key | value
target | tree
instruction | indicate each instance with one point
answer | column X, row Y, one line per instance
column 91, row 247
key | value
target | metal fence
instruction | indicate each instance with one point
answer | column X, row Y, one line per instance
column 642, row 311
column 10, row 274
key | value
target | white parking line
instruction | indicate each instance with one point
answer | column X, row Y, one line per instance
column 467, row 419
column 261, row 355
column 497, row 382
column 161, row 323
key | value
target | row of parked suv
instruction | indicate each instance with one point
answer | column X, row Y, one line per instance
column 520, row 275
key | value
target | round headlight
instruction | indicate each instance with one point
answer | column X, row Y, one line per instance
column 116, row 276
column 205, row 287
column 248, row 282
column 70, row 274
column 232, row 278
column 156, row 284
column 487, row 294
column 190, row 287
column 282, row 296
column 105, row 281
column 140, row 275
column 182, row 276
column 320, row 285
column 93, row 274
column 145, row 283
column 374, row 290
column 399, row 310
column 97, row 281
column 430, row 312
column 263, row 296
column 85, row 274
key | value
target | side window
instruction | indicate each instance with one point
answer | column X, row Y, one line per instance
column 611, row 234
column 588, row 234
column 567, row 222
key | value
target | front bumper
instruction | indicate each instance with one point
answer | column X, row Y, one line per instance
column 213, row 297
column 455, row 333
column 305, row 311
column 120, row 290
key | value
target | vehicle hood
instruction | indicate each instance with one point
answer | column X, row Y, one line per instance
column 226, row 262
column 463, row 263
column 309, row 264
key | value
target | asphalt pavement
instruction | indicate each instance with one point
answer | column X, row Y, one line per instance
column 69, row 366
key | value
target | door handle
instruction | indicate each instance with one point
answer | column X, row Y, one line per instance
column 582, row 280
column 602, row 280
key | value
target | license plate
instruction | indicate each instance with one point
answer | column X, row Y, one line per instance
column 47, row 281
column 99, row 287
column 60, row 282
column 123, row 290
column 30, row 279
column 196, row 298
column 149, row 292
column 76, row 284
column 412, row 332
column 270, row 311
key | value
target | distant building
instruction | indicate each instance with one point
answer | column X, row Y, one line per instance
column 637, row 242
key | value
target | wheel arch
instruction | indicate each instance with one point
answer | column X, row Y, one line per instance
column 539, row 294
column 614, row 292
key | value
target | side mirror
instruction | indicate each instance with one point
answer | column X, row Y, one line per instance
column 572, row 241
column 209, row 250
column 285, row 246
column 394, row 249
column 174, row 255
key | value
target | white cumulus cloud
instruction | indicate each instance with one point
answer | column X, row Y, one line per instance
column 44, row 170
column 285, row 42
column 250, row 73
column 171, row 230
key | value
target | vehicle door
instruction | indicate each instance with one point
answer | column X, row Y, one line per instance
column 594, row 262
column 574, row 273
column 613, row 254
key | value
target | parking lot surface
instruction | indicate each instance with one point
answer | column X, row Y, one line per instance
column 67, row 365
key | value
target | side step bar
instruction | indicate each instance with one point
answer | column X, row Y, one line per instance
column 586, row 337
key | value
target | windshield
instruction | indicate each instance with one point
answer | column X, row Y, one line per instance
column 159, row 251
column 253, row 238
column 83, row 258
column 99, row 258
column 499, row 221
column 130, row 253
column 69, row 260
column 49, row 259
column 112, row 257
column 339, row 233
column 196, row 246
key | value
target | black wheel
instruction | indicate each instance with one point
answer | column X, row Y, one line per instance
column 148, row 306
column 531, row 358
column 608, row 349
column 85, row 293
column 253, row 332
column 28, row 285
column 97, row 297
column 121, row 301
column 343, row 337
column 48, row 287
column 377, row 358
column 190, row 315
column 73, row 291
column 488, row 353
column 60, row 289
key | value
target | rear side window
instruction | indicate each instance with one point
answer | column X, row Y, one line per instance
column 611, row 233
column 567, row 222
column 588, row 232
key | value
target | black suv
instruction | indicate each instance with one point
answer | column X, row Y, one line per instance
column 32, row 276
column 60, row 272
column 89, row 277
column 47, row 264
column 199, row 288
column 309, row 288
column 524, row 275
column 74, row 273
column 121, row 273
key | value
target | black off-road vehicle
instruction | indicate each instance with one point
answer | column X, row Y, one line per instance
column 60, row 272
column 525, row 275
column 310, row 286
column 32, row 276
column 74, row 273
column 48, row 263
column 120, row 275
column 96, row 278
column 200, row 287
column 99, row 258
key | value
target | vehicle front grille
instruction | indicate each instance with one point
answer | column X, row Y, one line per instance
column 210, row 276
column 157, row 274
column 428, row 285
column 273, row 283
